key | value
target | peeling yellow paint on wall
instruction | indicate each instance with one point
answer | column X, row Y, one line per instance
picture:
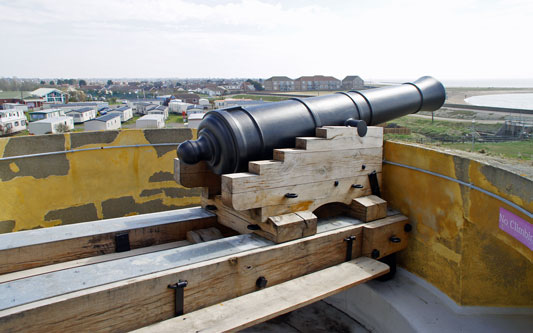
column 456, row 243
column 93, row 177
column 13, row 166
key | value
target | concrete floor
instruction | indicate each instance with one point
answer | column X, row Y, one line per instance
column 317, row 317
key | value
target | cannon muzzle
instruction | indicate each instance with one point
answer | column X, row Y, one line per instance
column 229, row 138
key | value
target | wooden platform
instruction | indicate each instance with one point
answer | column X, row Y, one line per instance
column 120, row 292
column 257, row 307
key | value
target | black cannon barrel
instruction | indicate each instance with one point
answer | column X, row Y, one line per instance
column 229, row 138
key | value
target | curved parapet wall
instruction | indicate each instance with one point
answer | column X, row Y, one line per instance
column 473, row 224
column 78, row 177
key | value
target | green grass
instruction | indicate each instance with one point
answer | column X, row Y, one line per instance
column 439, row 129
column 423, row 130
column 522, row 150
column 174, row 118
column 131, row 121
column 264, row 98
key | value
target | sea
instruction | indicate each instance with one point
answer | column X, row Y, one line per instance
column 513, row 101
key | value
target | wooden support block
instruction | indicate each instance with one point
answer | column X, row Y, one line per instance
column 386, row 236
column 341, row 137
column 257, row 307
column 369, row 208
column 288, row 227
column 196, row 175
column 203, row 235
column 137, row 302
column 34, row 248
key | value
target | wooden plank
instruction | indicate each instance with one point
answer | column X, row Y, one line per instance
column 35, row 248
column 196, row 175
column 257, row 307
column 89, row 261
column 308, row 191
column 369, row 208
column 141, row 301
column 36, row 288
column 377, row 235
column 288, row 227
column 334, row 138
column 301, row 166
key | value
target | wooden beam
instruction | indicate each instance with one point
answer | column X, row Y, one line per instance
column 89, row 261
column 257, row 307
column 377, row 235
column 288, row 227
column 196, row 175
column 34, row 248
column 369, row 208
column 136, row 302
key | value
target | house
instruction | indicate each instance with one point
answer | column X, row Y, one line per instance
column 82, row 115
column 352, row 82
column 179, row 107
column 125, row 112
column 279, row 83
column 51, row 95
column 144, row 107
column 76, row 105
column 204, row 102
column 317, row 82
column 188, row 98
column 150, row 121
column 51, row 125
column 133, row 104
column 161, row 110
column 46, row 114
column 16, row 106
column 193, row 121
column 12, row 121
column 21, row 97
column 245, row 86
column 110, row 121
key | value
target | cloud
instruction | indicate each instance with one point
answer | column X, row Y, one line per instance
column 260, row 38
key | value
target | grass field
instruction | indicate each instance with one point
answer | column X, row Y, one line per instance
column 423, row 130
column 174, row 118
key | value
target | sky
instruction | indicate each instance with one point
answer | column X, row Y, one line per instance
column 451, row 39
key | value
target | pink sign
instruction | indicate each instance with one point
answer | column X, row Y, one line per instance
column 516, row 227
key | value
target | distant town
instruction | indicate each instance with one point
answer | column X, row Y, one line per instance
column 48, row 106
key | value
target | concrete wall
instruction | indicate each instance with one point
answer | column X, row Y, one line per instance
column 456, row 244
column 89, row 185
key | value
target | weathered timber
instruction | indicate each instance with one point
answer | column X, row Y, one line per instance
column 203, row 235
column 143, row 300
column 254, row 308
column 196, row 175
column 383, row 235
column 288, row 227
column 89, row 261
column 34, row 248
column 369, row 208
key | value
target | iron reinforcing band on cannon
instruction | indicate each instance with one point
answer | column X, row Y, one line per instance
column 229, row 138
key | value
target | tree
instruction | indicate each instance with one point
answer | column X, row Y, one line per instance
column 52, row 83
column 82, row 83
column 178, row 84
column 109, row 82
column 256, row 84
column 62, row 128
column 42, row 82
